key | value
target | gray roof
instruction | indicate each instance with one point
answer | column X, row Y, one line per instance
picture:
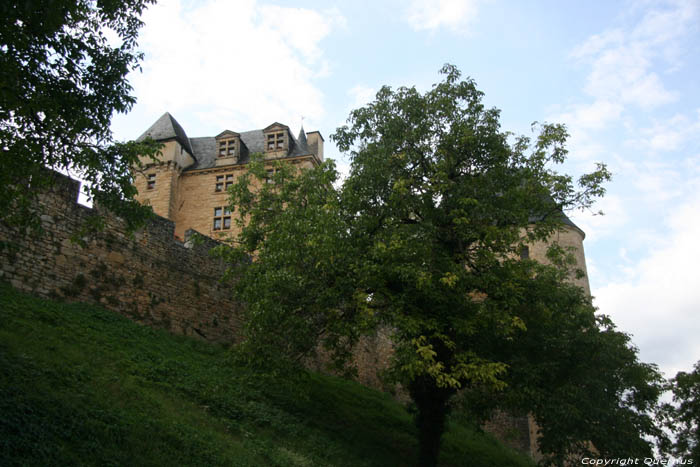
column 165, row 128
column 253, row 142
column 569, row 222
column 204, row 149
column 560, row 215
column 302, row 138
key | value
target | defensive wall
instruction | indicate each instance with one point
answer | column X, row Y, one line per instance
column 159, row 281
column 147, row 276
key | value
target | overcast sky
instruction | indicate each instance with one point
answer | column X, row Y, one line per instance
column 624, row 77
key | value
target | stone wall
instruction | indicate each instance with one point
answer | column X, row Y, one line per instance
column 156, row 280
column 148, row 276
column 188, row 198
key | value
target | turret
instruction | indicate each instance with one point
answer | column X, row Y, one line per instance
column 157, row 182
column 177, row 147
column 568, row 236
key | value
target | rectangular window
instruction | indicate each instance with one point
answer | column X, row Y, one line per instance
column 222, row 218
column 525, row 253
column 275, row 141
column 151, row 181
column 223, row 182
column 227, row 147
column 270, row 173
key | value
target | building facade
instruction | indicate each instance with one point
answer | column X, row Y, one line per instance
column 188, row 184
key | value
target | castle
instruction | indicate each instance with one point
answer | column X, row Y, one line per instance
column 157, row 277
column 188, row 186
column 189, row 183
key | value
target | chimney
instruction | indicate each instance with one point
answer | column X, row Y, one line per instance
column 314, row 141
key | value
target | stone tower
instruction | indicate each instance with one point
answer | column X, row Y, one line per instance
column 189, row 180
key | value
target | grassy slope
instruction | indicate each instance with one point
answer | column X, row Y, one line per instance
column 83, row 386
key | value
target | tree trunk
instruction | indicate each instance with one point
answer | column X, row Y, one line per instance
column 432, row 404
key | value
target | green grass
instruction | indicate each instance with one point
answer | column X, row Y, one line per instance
column 80, row 385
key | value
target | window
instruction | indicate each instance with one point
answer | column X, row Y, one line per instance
column 525, row 253
column 275, row 141
column 268, row 176
column 222, row 218
column 151, row 181
column 223, row 182
column 227, row 147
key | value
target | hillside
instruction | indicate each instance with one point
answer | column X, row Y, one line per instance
column 80, row 385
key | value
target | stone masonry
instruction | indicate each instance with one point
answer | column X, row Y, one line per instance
column 155, row 279
column 147, row 276
column 189, row 181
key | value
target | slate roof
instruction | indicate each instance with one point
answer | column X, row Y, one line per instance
column 205, row 148
column 563, row 217
column 165, row 128
column 569, row 222
column 302, row 137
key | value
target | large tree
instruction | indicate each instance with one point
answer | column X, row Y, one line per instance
column 422, row 241
column 63, row 68
column 682, row 417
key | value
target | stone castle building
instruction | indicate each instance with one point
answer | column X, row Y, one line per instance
column 188, row 185
column 155, row 279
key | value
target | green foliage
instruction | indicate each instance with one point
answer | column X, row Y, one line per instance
column 292, row 228
column 579, row 377
column 423, row 240
column 682, row 417
column 84, row 386
column 63, row 67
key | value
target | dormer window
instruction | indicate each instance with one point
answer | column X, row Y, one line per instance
column 275, row 141
column 277, row 138
column 227, row 147
column 228, row 144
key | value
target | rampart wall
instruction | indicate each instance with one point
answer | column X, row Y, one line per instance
column 148, row 275
column 156, row 280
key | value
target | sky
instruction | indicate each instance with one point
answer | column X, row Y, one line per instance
column 624, row 76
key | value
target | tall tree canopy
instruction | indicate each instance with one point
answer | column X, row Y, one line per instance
column 682, row 417
column 422, row 241
column 63, row 67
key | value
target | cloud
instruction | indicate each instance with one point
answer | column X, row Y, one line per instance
column 622, row 59
column 360, row 95
column 595, row 115
column 596, row 226
column 623, row 82
column 667, row 134
column 659, row 298
column 454, row 15
column 245, row 64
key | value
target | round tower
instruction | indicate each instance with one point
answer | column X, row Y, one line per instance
column 569, row 237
